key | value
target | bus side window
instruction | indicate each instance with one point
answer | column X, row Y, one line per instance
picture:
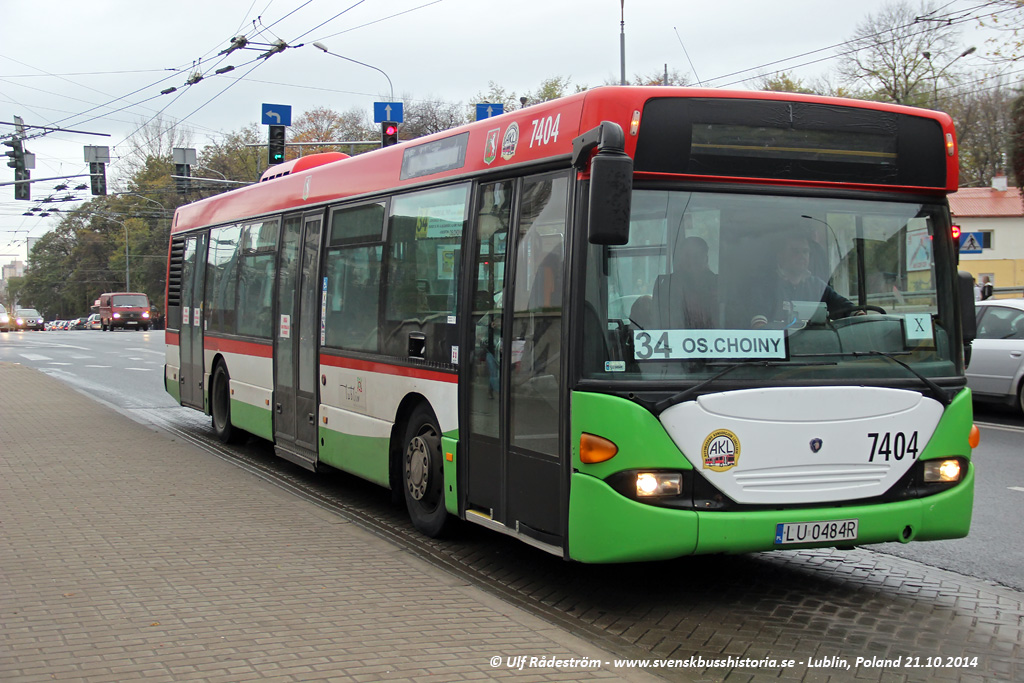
column 424, row 238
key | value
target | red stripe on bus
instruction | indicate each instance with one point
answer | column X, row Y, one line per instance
column 384, row 368
column 245, row 348
column 171, row 338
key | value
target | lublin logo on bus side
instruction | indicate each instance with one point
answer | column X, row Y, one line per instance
column 721, row 451
column 491, row 145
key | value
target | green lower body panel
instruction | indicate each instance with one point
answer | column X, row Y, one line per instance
column 173, row 388
column 257, row 421
column 449, row 447
column 363, row 456
column 605, row 526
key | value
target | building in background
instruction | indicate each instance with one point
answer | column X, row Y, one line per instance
column 991, row 221
column 9, row 270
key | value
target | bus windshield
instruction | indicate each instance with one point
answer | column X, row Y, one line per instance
column 791, row 287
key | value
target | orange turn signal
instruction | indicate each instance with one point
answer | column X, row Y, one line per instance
column 975, row 438
column 594, row 449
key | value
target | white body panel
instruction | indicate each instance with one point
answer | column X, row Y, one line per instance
column 367, row 401
column 252, row 377
column 804, row 444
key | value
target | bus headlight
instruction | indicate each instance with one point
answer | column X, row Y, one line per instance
column 942, row 471
column 650, row 484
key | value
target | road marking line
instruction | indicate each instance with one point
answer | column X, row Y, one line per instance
column 132, row 348
column 1016, row 488
column 1002, row 427
column 34, row 356
column 141, row 369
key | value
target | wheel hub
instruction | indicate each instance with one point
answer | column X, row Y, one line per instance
column 417, row 467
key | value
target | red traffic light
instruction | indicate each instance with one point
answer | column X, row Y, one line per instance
column 956, row 232
column 388, row 133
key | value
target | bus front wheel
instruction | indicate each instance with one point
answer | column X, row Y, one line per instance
column 423, row 473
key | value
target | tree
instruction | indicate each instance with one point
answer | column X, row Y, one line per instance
column 429, row 116
column 495, row 94
column 322, row 124
column 900, row 56
column 235, row 157
column 1017, row 141
column 783, row 82
column 154, row 139
column 984, row 125
column 1007, row 18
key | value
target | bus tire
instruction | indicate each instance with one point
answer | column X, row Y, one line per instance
column 220, row 407
column 422, row 471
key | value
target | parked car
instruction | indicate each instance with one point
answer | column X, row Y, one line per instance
column 28, row 319
column 996, row 371
column 5, row 320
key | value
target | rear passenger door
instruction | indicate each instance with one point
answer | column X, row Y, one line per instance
column 193, row 276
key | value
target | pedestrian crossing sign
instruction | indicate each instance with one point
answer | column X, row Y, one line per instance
column 971, row 242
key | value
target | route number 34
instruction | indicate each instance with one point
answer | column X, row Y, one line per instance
column 892, row 445
column 545, row 130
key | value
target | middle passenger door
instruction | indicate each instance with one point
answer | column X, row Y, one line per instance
column 296, row 358
column 512, row 382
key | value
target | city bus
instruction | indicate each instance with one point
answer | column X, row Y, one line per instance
column 631, row 324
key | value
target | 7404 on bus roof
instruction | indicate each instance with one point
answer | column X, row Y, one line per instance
column 629, row 324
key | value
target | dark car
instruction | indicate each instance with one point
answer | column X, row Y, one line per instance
column 28, row 319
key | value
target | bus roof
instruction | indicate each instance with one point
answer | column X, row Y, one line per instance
column 540, row 132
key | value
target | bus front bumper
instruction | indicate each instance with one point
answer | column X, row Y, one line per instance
column 605, row 526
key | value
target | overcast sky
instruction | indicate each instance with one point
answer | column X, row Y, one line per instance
column 99, row 65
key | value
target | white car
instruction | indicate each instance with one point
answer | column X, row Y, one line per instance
column 996, row 370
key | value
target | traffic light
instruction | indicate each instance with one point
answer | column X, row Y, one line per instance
column 276, row 144
column 17, row 162
column 182, row 174
column 388, row 133
column 98, row 178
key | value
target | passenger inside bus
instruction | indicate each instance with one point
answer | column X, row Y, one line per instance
column 687, row 298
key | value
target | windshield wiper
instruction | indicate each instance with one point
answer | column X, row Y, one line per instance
column 686, row 394
column 937, row 392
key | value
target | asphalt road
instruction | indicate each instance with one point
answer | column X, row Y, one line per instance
column 125, row 369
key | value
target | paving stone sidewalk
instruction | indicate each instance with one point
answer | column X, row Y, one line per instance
column 126, row 554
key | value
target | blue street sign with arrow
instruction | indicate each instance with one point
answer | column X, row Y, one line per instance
column 486, row 110
column 276, row 114
column 387, row 111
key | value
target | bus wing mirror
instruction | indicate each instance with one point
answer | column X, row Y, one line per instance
column 611, row 182
column 968, row 315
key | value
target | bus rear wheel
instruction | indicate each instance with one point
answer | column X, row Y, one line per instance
column 423, row 473
column 220, row 407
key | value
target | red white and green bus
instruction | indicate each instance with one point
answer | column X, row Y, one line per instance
column 629, row 324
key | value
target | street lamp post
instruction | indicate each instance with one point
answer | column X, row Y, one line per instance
column 321, row 46
column 935, row 77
